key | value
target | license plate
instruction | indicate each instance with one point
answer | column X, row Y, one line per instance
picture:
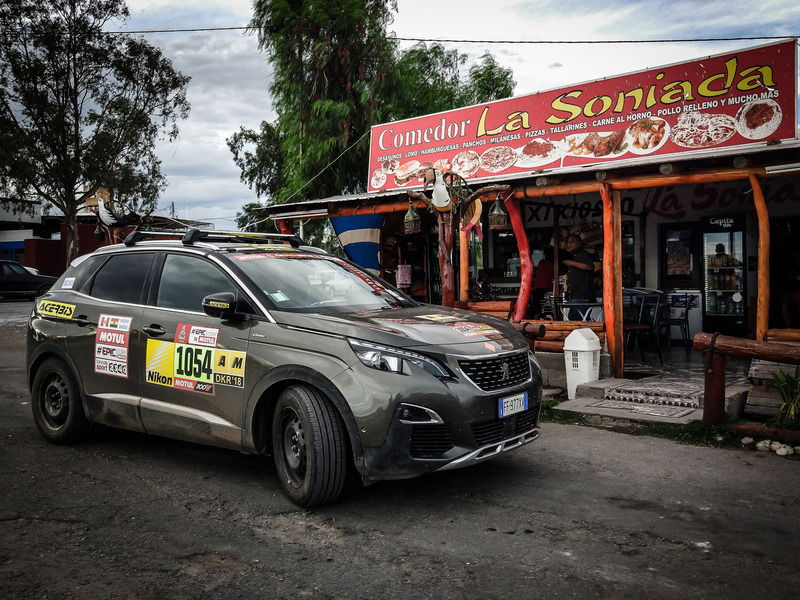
column 512, row 404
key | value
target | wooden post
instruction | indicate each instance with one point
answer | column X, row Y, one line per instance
column 762, row 304
column 610, row 284
column 525, row 266
column 445, row 220
column 616, row 211
column 463, row 264
column 714, row 388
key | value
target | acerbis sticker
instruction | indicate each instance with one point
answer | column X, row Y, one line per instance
column 193, row 367
column 111, row 345
column 55, row 309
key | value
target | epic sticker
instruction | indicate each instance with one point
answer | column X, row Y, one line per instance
column 55, row 309
column 196, row 335
column 111, row 345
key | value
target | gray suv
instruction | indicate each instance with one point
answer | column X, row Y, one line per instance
column 264, row 345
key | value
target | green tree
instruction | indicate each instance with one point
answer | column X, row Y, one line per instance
column 81, row 109
column 336, row 73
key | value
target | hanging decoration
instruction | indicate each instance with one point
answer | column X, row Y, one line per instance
column 411, row 221
column 498, row 218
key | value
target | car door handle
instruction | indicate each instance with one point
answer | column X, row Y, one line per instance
column 81, row 320
column 154, row 330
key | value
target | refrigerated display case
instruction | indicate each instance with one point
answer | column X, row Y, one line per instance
column 724, row 261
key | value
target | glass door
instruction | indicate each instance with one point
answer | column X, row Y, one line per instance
column 723, row 254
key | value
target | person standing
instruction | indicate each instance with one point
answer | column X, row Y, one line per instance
column 542, row 281
column 580, row 275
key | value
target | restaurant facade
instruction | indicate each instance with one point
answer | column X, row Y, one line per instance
column 683, row 179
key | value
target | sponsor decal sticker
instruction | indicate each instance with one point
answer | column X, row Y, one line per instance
column 468, row 329
column 197, row 335
column 111, row 345
column 68, row 283
column 193, row 367
column 438, row 318
column 55, row 309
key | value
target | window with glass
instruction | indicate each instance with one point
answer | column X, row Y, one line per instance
column 319, row 284
column 122, row 278
column 186, row 280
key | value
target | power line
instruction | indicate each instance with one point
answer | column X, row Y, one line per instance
column 464, row 41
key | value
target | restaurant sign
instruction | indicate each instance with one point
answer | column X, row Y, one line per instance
column 725, row 103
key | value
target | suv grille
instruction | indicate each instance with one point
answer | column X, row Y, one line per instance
column 496, row 373
column 497, row 430
column 430, row 441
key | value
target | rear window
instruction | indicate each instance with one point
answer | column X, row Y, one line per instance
column 122, row 278
column 304, row 282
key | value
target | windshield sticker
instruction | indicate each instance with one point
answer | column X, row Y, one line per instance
column 111, row 345
column 192, row 367
column 261, row 255
column 67, row 283
column 439, row 318
column 278, row 296
column 55, row 309
column 468, row 329
column 196, row 335
column 360, row 274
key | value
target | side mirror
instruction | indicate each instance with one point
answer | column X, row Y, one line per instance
column 221, row 305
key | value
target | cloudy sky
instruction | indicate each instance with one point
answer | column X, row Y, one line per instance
column 230, row 77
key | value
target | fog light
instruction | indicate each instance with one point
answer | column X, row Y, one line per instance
column 414, row 415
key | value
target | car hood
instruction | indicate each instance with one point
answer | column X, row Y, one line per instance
column 459, row 331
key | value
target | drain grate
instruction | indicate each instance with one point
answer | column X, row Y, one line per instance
column 662, row 390
column 656, row 410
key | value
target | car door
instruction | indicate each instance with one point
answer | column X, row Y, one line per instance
column 103, row 337
column 194, row 364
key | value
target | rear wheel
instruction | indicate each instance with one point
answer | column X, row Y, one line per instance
column 309, row 446
column 57, row 408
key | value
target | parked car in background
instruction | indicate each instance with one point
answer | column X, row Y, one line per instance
column 18, row 282
column 237, row 341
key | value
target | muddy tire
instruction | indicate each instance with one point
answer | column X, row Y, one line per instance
column 309, row 446
column 56, row 402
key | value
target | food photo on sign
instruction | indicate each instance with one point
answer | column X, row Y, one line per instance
column 724, row 103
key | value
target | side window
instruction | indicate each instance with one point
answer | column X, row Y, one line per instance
column 76, row 276
column 186, row 280
column 122, row 278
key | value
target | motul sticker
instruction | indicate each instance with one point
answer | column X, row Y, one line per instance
column 111, row 345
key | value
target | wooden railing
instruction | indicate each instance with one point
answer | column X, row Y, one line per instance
column 718, row 348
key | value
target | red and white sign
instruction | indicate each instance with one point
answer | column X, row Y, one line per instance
column 196, row 335
column 111, row 345
column 723, row 103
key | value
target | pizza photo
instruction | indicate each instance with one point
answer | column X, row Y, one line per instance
column 647, row 135
column 498, row 159
column 758, row 119
column 539, row 151
column 702, row 130
column 466, row 162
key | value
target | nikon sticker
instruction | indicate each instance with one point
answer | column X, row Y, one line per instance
column 59, row 310
column 193, row 367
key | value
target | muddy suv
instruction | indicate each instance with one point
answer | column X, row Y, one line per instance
column 264, row 345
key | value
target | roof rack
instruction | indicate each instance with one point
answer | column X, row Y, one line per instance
column 196, row 235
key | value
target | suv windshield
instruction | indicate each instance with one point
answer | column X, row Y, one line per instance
column 304, row 282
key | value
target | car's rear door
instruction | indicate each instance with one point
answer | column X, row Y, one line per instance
column 194, row 364
column 103, row 337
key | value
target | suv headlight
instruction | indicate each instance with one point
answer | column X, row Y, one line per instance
column 386, row 358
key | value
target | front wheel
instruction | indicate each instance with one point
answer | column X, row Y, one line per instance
column 309, row 447
column 57, row 408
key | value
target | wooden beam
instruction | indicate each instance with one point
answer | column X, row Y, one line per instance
column 616, row 211
column 762, row 304
column 463, row 264
column 613, row 329
column 525, row 265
